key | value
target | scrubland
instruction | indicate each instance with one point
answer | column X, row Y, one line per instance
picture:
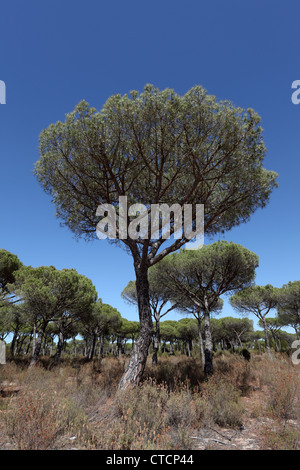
column 244, row 404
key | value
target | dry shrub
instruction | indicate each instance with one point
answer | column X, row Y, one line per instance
column 238, row 370
column 97, row 381
column 285, row 437
column 48, row 407
column 283, row 400
column 219, row 403
column 179, row 409
column 33, row 421
column 110, row 373
column 150, row 417
column 174, row 371
column 282, row 380
column 141, row 422
column 36, row 419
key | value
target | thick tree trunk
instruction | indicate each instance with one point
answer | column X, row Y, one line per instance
column 137, row 362
column 208, row 352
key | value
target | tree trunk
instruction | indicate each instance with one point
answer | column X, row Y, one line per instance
column 266, row 336
column 74, row 346
column 13, row 343
column 208, row 352
column 156, row 344
column 101, row 346
column 59, row 347
column 33, row 339
column 188, row 352
column 93, row 347
column 51, row 347
column 38, row 345
column 201, row 340
column 28, row 345
column 119, row 346
column 137, row 362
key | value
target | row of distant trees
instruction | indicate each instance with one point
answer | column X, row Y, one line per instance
column 46, row 310
column 228, row 333
column 194, row 281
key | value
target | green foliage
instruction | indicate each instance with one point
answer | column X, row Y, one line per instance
column 233, row 331
column 288, row 298
column 187, row 329
column 105, row 319
column 49, row 293
column 153, row 147
column 156, row 146
column 202, row 276
column 9, row 264
column 255, row 299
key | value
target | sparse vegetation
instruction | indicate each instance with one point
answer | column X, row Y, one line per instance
column 77, row 404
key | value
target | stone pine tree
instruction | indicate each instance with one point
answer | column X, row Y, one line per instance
column 203, row 276
column 48, row 293
column 9, row 264
column 288, row 305
column 259, row 301
column 185, row 305
column 154, row 147
column 104, row 320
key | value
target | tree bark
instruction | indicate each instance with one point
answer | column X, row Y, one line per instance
column 93, row 347
column 199, row 320
column 101, row 346
column 156, row 344
column 266, row 336
column 13, row 343
column 59, row 348
column 208, row 352
column 137, row 362
column 119, row 346
column 38, row 345
column 74, row 346
column 33, row 339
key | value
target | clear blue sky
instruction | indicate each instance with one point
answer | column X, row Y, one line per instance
column 54, row 54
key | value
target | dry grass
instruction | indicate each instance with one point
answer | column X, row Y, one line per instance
column 76, row 404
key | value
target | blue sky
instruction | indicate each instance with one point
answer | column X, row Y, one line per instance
column 54, row 54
